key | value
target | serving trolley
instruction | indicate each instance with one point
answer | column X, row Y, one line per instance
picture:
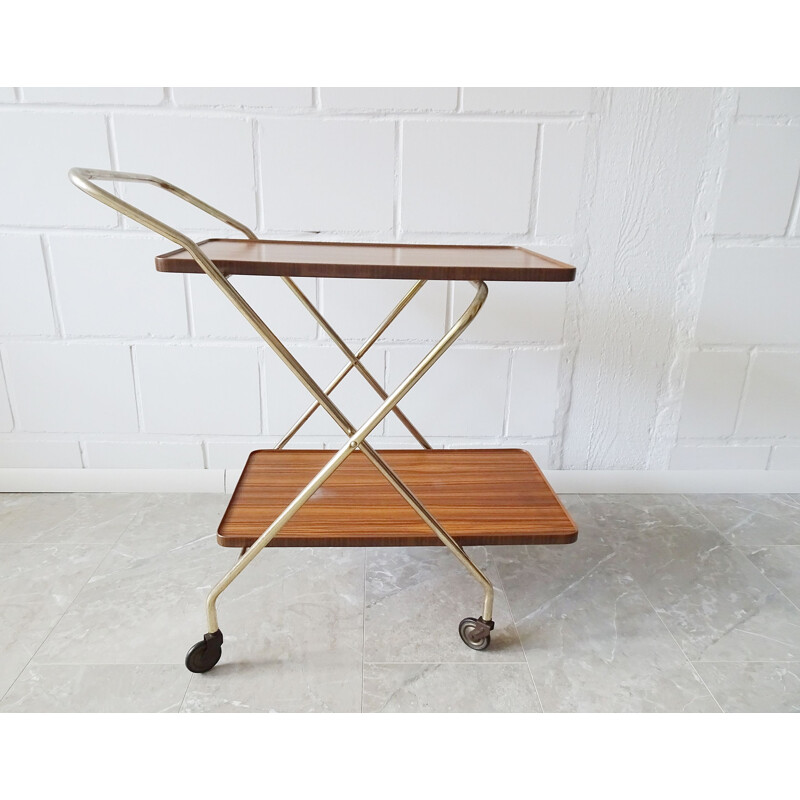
column 358, row 496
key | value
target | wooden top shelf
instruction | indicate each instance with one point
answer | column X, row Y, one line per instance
column 478, row 496
column 343, row 260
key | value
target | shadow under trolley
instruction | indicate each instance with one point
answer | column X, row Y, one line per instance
column 371, row 498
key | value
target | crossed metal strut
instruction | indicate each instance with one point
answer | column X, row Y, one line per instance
column 356, row 437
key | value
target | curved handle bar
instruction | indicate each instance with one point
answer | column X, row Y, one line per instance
column 83, row 177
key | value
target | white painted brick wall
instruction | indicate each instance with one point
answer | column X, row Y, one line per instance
column 561, row 172
column 252, row 97
column 327, row 175
column 199, row 389
column 679, row 340
column 464, row 393
column 760, row 180
column 467, row 176
column 210, row 157
column 70, row 387
column 771, row 401
column 712, row 393
column 751, row 295
column 38, row 148
column 108, row 287
column 215, row 317
column 36, row 454
column 25, row 306
column 358, row 99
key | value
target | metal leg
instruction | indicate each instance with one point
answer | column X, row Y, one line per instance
column 205, row 654
column 356, row 440
column 354, row 360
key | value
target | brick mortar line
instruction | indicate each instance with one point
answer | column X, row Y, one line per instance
column 309, row 112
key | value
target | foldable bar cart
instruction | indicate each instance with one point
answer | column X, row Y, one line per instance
column 370, row 498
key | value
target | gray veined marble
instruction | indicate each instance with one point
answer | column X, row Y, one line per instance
column 781, row 565
column 416, row 598
column 69, row 518
column 449, row 688
column 37, row 584
column 760, row 687
column 98, row 688
column 101, row 596
column 294, row 631
column 752, row 520
column 591, row 637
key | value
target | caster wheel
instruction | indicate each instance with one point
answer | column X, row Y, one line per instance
column 204, row 655
column 475, row 633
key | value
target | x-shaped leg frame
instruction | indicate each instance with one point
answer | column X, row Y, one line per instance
column 205, row 654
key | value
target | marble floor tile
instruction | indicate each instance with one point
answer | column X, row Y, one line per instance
column 294, row 630
column 416, row 598
column 713, row 600
column 37, row 584
column 598, row 645
column 68, row 518
column 752, row 520
column 97, row 688
column 781, row 565
column 758, row 687
column 449, row 688
column 614, row 518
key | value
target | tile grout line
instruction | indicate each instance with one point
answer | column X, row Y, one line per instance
column 108, row 552
column 363, row 631
column 680, row 649
column 516, row 629
column 777, row 588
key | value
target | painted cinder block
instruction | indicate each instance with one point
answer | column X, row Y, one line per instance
column 560, row 176
column 98, row 95
column 38, row 150
column 287, row 399
column 785, row 456
column 243, row 97
column 530, row 100
column 211, row 158
column 750, row 297
column 199, row 388
column 760, row 180
column 215, row 317
column 6, row 419
column 355, row 308
column 109, row 286
column 770, row 102
column 234, row 454
column 723, row 456
column 389, row 99
column 35, row 454
column 25, row 307
column 143, row 455
column 771, row 400
column 711, row 394
column 467, row 176
column 534, row 392
column 327, row 175
column 518, row 312
column 71, row 387
column 463, row 394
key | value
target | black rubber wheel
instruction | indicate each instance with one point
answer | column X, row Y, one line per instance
column 466, row 630
column 204, row 655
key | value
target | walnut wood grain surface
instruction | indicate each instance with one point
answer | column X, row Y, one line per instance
column 344, row 260
column 478, row 496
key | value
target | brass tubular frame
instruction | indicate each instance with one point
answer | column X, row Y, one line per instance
column 82, row 178
column 354, row 361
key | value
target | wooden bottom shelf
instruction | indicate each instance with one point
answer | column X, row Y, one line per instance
column 478, row 496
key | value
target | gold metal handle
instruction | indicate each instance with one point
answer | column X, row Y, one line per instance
column 82, row 177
